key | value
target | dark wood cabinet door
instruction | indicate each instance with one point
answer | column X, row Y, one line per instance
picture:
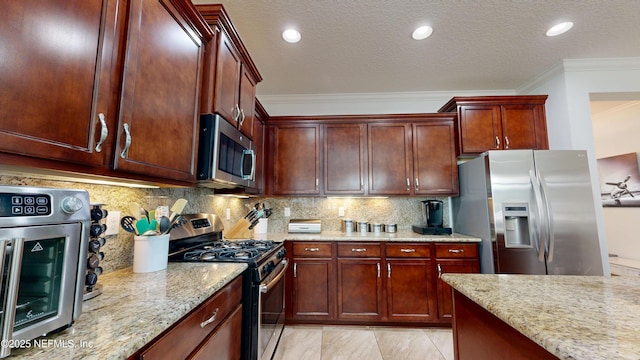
column 247, row 103
column 57, row 79
column 389, row 159
column 344, row 159
column 445, row 300
column 435, row 168
column 296, row 160
column 314, row 289
column 360, row 289
column 521, row 127
column 410, row 296
column 158, row 124
column 227, row 80
column 480, row 128
column 224, row 343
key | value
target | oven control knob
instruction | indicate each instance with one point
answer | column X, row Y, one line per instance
column 71, row 204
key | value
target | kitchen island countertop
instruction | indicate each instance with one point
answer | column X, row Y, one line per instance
column 133, row 310
column 572, row 317
column 404, row 236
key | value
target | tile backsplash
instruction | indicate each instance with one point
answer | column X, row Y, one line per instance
column 403, row 211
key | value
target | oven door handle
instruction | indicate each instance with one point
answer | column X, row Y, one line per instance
column 266, row 287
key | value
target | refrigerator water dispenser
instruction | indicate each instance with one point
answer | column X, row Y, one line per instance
column 516, row 225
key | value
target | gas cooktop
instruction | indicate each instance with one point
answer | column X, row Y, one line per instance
column 242, row 250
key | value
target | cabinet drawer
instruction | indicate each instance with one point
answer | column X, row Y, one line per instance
column 182, row 338
column 359, row 249
column 312, row 249
column 456, row 250
column 408, row 250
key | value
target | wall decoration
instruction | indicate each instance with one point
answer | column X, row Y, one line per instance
column 619, row 180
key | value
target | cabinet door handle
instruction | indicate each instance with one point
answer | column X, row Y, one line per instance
column 317, row 182
column 389, row 271
column 127, row 142
column 211, row 319
column 408, row 184
column 104, row 132
column 358, row 250
column 417, row 184
column 295, row 270
column 312, row 249
column 506, row 142
column 497, row 142
column 456, row 251
column 378, row 265
column 408, row 250
column 242, row 117
column 439, row 271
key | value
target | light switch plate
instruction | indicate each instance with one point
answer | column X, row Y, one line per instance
column 341, row 211
column 287, row 211
column 228, row 214
column 113, row 223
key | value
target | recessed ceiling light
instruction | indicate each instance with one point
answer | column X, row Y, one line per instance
column 559, row 29
column 291, row 35
column 422, row 32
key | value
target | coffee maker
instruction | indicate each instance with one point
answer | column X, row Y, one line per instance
column 432, row 219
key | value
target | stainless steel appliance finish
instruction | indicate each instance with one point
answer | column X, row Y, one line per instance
column 226, row 158
column 200, row 239
column 533, row 209
column 44, row 235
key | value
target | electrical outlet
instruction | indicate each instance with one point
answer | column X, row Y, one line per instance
column 287, row 212
column 113, row 223
column 228, row 214
column 341, row 211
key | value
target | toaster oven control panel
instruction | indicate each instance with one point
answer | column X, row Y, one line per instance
column 12, row 205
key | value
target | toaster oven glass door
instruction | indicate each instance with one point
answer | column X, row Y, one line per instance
column 39, row 278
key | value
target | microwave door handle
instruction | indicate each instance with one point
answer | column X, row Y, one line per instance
column 12, row 294
column 251, row 174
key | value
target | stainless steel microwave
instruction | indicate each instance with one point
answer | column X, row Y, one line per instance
column 226, row 158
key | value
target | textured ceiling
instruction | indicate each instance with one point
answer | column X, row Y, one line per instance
column 366, row 47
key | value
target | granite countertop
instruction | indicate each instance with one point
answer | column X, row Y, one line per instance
column 405, row 236
column 572, row 317
column 132, row 310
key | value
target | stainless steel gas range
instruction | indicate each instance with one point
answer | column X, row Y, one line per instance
column 200, row 239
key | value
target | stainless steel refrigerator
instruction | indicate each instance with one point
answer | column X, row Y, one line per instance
column 533, row 209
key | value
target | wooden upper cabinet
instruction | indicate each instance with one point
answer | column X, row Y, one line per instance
column 231, row 76
column 159, row 112
column 247, row 103
column 227, row 80
column 435, row 167
column 499, row 122
column 344, row 158
column 296, row 159
column 57, row 79
column 389, row 158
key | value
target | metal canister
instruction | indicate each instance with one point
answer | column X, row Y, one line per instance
column 362, row 226
column 375, row 228
column 347, row 226
column 391, row 228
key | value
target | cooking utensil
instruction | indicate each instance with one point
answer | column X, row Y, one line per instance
column 165, row 224
column 134, row 209
column 177, row 208
column 173, row 223
column 142, row 226
column 128, row 224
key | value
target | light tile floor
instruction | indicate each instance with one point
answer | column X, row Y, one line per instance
column 308, row 342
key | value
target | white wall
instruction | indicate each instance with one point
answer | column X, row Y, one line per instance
column 616, row 132
column 568, row 111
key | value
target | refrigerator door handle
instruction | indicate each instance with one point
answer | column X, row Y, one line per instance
column 535, row 184
column 549, row 219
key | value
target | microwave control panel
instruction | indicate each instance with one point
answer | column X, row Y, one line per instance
column 12, row 205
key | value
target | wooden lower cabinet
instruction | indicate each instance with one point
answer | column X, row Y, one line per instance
column 374, row 283
column 212, row 330
column 359, row 289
